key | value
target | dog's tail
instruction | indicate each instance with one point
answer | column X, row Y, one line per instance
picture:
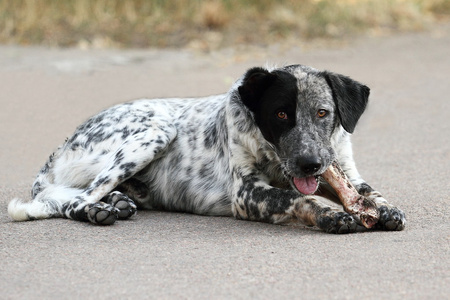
column 47, row 204
column 43, row 204
column 20, row 211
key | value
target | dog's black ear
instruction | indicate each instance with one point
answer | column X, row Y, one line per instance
column 255, row 83
column 350, row 97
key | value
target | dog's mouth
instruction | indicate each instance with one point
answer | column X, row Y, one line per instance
column 306, row 185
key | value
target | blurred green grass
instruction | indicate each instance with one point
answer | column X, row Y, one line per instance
column 207, row 24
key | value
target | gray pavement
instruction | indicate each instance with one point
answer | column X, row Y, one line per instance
column 401, row 147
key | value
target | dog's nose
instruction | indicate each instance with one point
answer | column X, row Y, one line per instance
column 309, row 165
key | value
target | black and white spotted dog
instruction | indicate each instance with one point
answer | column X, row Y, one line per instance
column 255, row 152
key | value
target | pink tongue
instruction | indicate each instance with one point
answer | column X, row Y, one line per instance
column 306, row 185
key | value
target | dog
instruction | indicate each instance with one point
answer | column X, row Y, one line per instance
column 255, row 153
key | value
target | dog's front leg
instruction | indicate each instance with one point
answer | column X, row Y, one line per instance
column 256, row 200
column 391, row 218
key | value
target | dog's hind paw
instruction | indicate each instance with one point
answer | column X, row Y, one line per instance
column 391, row 219
column 123, row 203
column 101, row 213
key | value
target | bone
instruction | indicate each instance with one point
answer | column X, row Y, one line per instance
column 354, row 203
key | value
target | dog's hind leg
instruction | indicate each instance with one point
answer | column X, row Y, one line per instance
column 113, row 206
column 134, row 154
column 68, row 190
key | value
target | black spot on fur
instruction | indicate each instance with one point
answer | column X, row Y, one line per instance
column 76, row 203
column 125, row 132
column 36, row 189
column 46, row 168
column 99, row 182
column 175, row 160
column 206, row 170
column 128, row 169
column 127, row 166
column 364, row 189
column 119, row 157
column 210, row 136
column 220, row 153
column 188, row 171
column 74, row 146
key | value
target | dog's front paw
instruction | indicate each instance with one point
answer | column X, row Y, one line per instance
column 338, row 222
column 391, row 219
column 101, row 213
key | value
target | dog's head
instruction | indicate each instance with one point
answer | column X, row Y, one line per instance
column 297, row 110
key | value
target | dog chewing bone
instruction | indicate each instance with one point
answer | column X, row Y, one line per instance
column 354, row 203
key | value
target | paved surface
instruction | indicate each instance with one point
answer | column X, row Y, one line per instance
column 401, row 147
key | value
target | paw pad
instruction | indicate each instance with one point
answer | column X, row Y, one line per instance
column 340, row 222
column 102, row 214
column 125, row 206
column 391, row 219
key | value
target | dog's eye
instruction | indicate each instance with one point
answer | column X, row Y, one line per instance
column 282, row 115
column 322, row 113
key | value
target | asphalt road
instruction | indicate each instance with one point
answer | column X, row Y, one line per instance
column 401, row 146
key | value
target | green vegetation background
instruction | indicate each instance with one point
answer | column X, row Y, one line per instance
column 213, row 23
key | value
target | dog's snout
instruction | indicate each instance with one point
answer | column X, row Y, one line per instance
column 309, row 165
